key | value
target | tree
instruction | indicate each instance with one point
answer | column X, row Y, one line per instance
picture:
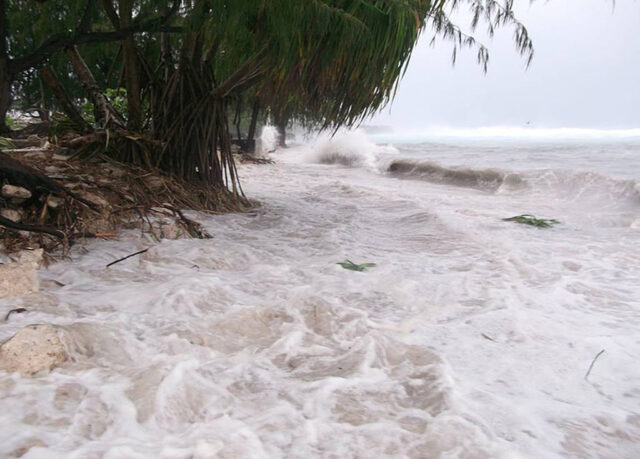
column 186, row 64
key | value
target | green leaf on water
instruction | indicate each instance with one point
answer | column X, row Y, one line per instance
column 530, row 220
column 351, row 266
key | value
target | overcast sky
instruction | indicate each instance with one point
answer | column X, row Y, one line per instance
column 585, row 74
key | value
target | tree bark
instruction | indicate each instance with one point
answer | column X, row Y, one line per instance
column 131, row 65
column 49, row 77
column 5, row 96
column 104, row 111
column 5, row 77
column 255, row 110
column 281, row 126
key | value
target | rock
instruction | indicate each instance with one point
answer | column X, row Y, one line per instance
column 15, row 192
column 13, row 215
column 95, row 199
column 29, row 257
column 27, row 446
column 167, row 230
column 154, row 182
column 21, row 276
column 33, row 349
column 57, row 157
column 54, row 203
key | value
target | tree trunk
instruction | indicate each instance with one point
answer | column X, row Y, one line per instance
column 5, row 77
column 251, row 136
column 131, row 65
column 281, row 126
column 49, row 77
column 104, row 111
column 5, row 97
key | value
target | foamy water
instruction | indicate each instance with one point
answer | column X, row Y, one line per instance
column 471, row 338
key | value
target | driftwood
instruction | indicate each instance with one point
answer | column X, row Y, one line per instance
column 31, row 228
column 127, row 257
column 586, row 377
column 18, row 174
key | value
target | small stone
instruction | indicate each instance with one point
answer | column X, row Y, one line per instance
column 36, row 155
column 15, row 192
column 13, row 215
column 27, row 446
column 154, row 182
column 54, row 203
column 33, row 349
column 95, row 199
column 57, row 157
column 167, row 230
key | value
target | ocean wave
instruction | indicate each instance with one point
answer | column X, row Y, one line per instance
column 352, row 149
column 585, row 186
column 562, row 184
column 484, row 179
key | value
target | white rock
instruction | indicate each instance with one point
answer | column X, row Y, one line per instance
column 15, row 192
column 168, row 230
column 95, row 199
column 54, row 202
column 10, row 214
column 33, row 349
column 21, row 276
column 29, row 257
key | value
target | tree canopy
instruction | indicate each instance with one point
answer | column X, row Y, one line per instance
column 184, row 65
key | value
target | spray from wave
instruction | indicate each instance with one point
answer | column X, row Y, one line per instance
column 352, row 149
column 268, row 141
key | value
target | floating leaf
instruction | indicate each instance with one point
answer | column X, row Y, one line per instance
column 530, row 220
column 351, row 266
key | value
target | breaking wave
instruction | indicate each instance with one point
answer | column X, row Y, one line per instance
column 563, row 184
column 484, row 179
column 352, row 149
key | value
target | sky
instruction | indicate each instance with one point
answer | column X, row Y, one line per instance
column 585, row 73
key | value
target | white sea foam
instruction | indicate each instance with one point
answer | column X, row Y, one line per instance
column 268, row 141
column 471, row 337
column 348, row 148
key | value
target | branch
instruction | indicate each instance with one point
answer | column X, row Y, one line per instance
column 58, row 42
column 31, row 228
column 83, row 24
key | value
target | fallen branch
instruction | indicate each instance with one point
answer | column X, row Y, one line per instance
column 31, row 228
column 127, row 257
column 19, row 174
column 14, row 311
column 586, row 377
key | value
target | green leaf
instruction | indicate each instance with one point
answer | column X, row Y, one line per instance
column 351, row 266
column 531, row 220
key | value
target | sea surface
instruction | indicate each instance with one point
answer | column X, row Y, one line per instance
column 471, row 338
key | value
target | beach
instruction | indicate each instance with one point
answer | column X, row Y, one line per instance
column 472, row 337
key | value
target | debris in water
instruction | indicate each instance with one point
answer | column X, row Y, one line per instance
column 530, row 220
column 350, row 265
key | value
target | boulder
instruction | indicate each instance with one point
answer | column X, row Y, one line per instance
column 33, row 349
column 21, row 276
